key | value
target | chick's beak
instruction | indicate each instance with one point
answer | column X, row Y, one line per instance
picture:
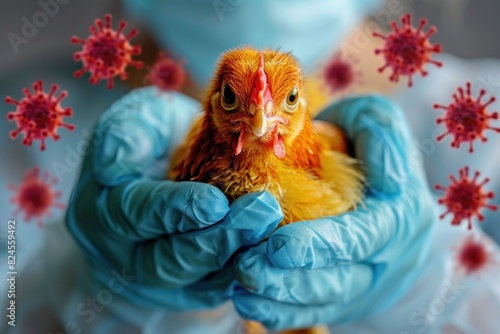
column 259, row 121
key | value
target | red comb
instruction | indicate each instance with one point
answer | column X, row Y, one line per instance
column 261, row 94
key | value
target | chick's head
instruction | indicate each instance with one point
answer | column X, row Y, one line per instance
column 255, row 101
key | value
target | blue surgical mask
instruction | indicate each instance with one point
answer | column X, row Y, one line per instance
column 200, row 30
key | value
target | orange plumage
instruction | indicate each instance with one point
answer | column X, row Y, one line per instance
column 255, row 134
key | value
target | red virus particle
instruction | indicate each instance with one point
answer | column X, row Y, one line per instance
column 106, row 53
column 340, row 73
column 35, row 196
column 474, row 255
column 466, row 118
column 167, row 74
column 465, row 197
column 39, row 115
column 407, row 49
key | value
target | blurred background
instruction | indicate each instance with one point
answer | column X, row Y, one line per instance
column 468, row 31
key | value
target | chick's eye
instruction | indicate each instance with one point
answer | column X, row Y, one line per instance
column 292, row 99
column 229, row 101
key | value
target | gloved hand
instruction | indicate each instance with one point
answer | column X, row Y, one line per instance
column 339, row 269
column 171, row 240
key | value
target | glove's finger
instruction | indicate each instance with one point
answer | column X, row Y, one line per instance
column 336, row 285
column 279, row 316
column 146, row 209
column 208, row 293
column 183, row 259
column 137, row 130
column 377, row 229
column 381, row 138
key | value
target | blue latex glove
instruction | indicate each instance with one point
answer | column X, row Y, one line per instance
column 171, row 240
column 339, row 269
column 199, row 30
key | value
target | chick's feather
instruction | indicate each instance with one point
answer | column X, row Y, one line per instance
column 309, row 179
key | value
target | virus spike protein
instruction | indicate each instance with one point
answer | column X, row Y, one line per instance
column 39, row 115
column 106, row 53
column 339, row 73
column 465, row 197
column 35, row 196
column 466, row 118
column 408, row 49
column 167, row 74
column 474, row 255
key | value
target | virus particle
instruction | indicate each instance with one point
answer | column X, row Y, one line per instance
column 167, row 74
column 407, row 49
column 35, row 196
column 340, row 73
column 466, row 118
column 106, row 53
column 39, row 115
column 465, row 197
column 474, row 255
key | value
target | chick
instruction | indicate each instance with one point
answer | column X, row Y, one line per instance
column 255, row 134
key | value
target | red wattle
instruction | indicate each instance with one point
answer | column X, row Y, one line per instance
column 278, row 145
column 238, row 143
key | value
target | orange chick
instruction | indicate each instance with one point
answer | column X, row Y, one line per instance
column 255, row 134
